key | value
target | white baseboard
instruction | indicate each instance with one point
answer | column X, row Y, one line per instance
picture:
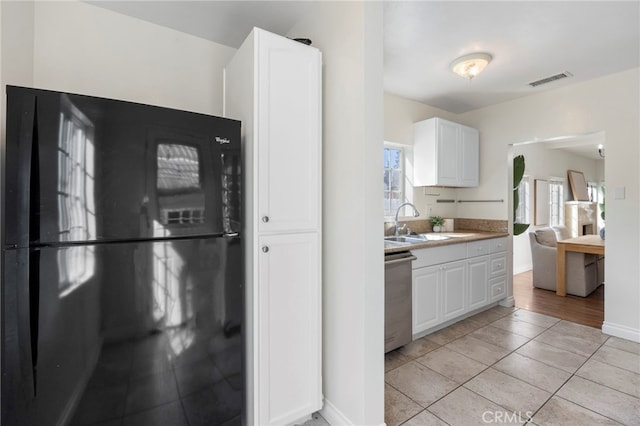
column 621, row 331
column 522, row 268
column 335, row 417
column 508, row 302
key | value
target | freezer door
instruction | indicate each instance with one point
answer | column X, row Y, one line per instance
column 18, row 361
column 128, row 332
column 98, row 169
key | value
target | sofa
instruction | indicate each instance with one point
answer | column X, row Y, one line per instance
column 585, row 272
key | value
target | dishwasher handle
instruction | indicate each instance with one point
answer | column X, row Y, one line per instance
column 401, row 257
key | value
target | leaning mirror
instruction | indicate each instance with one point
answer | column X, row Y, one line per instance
column 578, row 185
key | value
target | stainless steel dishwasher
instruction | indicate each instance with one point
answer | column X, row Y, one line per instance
column 397, row 300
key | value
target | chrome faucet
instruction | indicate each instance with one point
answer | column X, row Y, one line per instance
column 416, row 213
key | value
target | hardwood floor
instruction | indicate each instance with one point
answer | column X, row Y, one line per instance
column 582, row 310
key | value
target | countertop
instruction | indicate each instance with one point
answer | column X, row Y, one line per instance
column 467, row 236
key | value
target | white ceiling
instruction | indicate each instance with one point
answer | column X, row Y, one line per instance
column 225, row 22
column 528, row 40
column 584, row 145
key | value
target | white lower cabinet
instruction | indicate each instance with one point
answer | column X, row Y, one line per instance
column 449, row 281
column 453, row 289
column 478, row 282
column 426, row 298
column 288, row 327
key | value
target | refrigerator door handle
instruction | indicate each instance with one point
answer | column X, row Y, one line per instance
column 34, row 183
column 32, row 200
column 34, row 313
column 34, row 255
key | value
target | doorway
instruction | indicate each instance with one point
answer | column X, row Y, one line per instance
column 546, row 165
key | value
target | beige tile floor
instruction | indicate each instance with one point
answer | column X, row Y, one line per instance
column 511, row 366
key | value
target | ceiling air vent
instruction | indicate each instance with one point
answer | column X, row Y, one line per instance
column 550, row 79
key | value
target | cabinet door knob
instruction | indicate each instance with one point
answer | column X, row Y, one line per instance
column 265, row 249
column 265, row 219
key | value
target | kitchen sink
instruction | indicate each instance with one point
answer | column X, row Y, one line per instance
column 435, row 237
column 414, row 239
column 405, row 239
column 445, row 236
column 402, row 240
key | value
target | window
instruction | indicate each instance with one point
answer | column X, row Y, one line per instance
column 522, row 211
column 592, row 189
column 393, row 178
column 599, row 199
column 556, row 202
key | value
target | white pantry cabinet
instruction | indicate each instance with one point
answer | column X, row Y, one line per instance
column 445, row 154
column 273, row 85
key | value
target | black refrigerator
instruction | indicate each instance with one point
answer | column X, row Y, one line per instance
column 122, row 275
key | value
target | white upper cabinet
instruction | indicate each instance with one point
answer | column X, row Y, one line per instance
column 445, row 154
column 469, row 156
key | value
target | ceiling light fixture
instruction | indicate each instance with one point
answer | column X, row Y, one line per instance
column 469, row 66
column 601, row 150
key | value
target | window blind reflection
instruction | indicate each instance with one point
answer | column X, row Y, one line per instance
column 76, row 201
column 179, row 184
column 178, row 168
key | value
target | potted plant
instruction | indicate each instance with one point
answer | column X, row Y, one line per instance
column 437, row 223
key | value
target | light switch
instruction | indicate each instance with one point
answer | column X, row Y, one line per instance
column 618, row 193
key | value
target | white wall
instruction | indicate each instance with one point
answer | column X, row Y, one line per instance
column 350, row 36
column 16, row 52
column 610, row 104
column 544, row 163
column 17, row 43
column 90, row 50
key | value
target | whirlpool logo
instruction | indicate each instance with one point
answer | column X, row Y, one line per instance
column 222, row 141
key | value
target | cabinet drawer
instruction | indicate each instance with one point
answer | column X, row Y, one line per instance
column 435, row 255
column 478, row 248
column 498, row 244
column 498, row 288
column 498, row 265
